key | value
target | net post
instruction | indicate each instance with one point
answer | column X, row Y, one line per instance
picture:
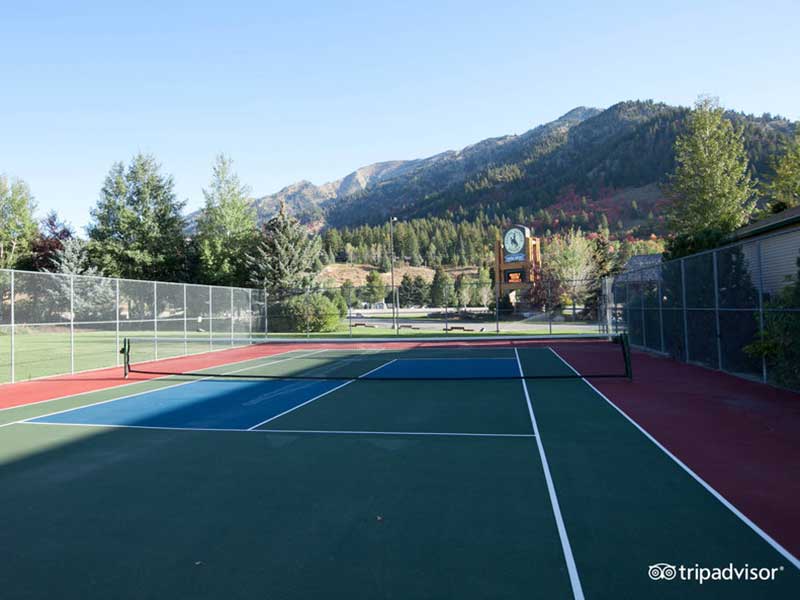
column 626, row 355
column 126, row 357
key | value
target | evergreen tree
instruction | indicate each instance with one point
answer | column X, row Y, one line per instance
column 137, row 227
column 17, row 225
column 711, row 186
column 420, row 291
column 348, row 292
column 405, row 291
column 283, row 261
column 226, row 229
column 441, row 288
column 385, row 263
column 374, row 291
column 783, row 190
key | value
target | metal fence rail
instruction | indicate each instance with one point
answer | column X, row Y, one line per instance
column 735, row 308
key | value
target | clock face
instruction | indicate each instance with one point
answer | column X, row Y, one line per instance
column 514, row 241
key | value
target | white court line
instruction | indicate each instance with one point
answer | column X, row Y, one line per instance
column 577, row 590
column 288, row 431
column 338, row 387
column 763, row 534
column 41, row 380
column 168, row 387
column 423, row 433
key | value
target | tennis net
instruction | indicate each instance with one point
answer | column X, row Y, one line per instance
column 390, row 359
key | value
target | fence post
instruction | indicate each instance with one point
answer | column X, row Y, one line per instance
column 716, row 310
column 497, row 302
column 685, row 310
column 764, row 375
column 13, row 329
column 250, row 316
column 155, row 318
column 231, row 316
column 266, row 313
column 210, row 319
column 350, row 312
column 641, row 304
column 116, row 320
column 72, row 323
column 660, row 311
column 185, row 322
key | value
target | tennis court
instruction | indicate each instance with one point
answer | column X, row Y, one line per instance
column 376, row 470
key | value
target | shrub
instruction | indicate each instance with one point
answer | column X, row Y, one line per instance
column 313, row 313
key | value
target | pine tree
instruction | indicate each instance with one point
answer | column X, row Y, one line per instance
column 441, row 288
column 374, row 291
column 284, row 259
column 137, row 225
column 405, row 291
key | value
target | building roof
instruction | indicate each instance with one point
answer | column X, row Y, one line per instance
column 646, row 266
column 785, row 218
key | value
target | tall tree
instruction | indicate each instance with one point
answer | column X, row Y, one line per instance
column 284, row 259
column 374, row 291
column 569, row 264
column 783, row 190
column 711, row 187
column 137, row 226
column 441, row 288
column 226, row 230
column 17, row 225
column 53, row 234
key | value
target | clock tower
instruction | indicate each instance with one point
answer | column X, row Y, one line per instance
column 518, row 260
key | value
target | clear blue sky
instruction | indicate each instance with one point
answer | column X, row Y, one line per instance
column 312, row 90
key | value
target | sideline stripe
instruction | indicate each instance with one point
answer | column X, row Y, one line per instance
column 167, row 387
column 338, row 387
column 577, row 590
column 763, row 534
column 289, row 431
column 122, row 385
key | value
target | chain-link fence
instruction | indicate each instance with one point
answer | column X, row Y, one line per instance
column 53, row 324
column 736, row 308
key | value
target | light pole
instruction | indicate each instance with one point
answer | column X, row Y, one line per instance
column 394, row 292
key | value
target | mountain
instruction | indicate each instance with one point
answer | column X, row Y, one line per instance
column 608, row 153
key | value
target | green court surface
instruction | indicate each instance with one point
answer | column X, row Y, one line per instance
column 473, row 488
